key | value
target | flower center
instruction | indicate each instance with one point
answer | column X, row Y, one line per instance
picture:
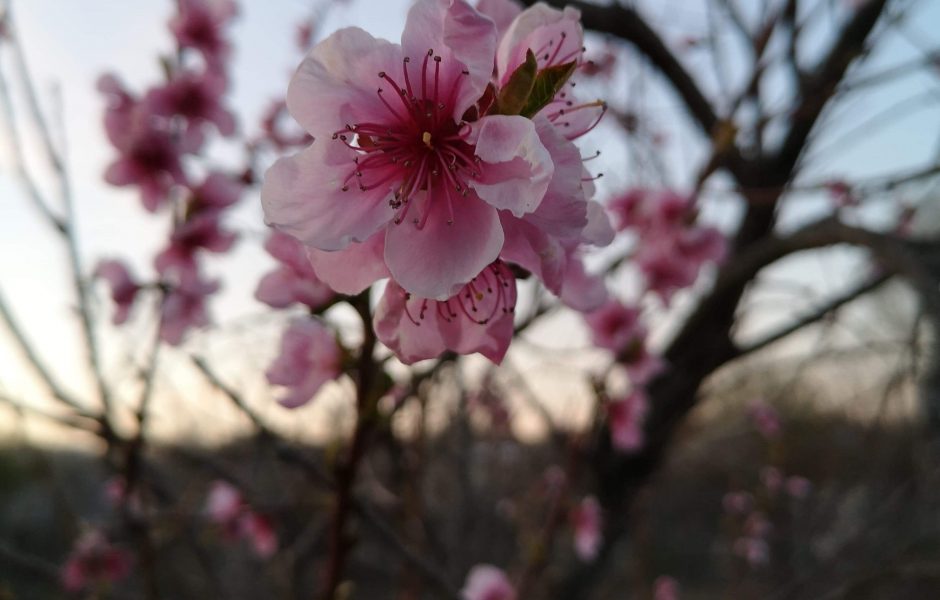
column 419, row 147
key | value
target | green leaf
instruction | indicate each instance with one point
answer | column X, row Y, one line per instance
column 516, row 94
column 548, row 82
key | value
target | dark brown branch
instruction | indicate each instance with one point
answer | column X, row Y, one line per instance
column 819, row 313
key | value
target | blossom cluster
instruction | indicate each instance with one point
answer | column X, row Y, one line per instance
column 227, row 509
column 671, row 247
column 94, row 562
column 749, row 513
column 444, row 164
column 157, row 136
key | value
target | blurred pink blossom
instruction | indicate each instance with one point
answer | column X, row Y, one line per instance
column 226, row 508
column 94, row 561
column 202, row 231
column 124, row 288
column 754, row 551
column 197, row 97
column 772, row 479
column 309, row 358
column 626, row 418
column 184, row 307
column 614, row 326
column 798, row 487
column 665, row 588
column 294, row 280
column 199, row 25
column 737, row 503
column 486, row 582
column 587, row 522
column 765, row 418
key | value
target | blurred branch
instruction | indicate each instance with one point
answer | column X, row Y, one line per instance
column 856, row 292
column 33, row 359
column 293, row 456
column 627, row 24
column 25, row 562
column 84, row 423
column 65, row 226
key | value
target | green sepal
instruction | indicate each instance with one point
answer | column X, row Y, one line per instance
column 548, row 82
column 517, row 92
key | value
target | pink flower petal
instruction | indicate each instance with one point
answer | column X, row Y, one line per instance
column 436, row 261
column 353, row 269
column 302, row 195
column 464, row 38
column 517, row 168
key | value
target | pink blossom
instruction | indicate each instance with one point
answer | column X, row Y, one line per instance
column 626, row 418
column 772, row 479
column 199, row 25
column 124, row 288
column 671, row 247
column 401, row 159
column 665, row 588
column 226, row 508
column 841, row 193
column 259, row 531
column 479, row 318
column 614, row 326
column 503, row 13
column 737, row 503
column 798, row 487
column 184, row 307
column 216, row 192
column 309, row 358
column 223, row 503
column 582, row 291
column 148, row 159
column 200, row 232
column 587, row 521
column 545, row 241
column 757, row 525
column 197, row 97
column 641, row 364
column 93, row 561
column 765, row 418
column 556, row 38
column 486, row 582
column 754, row 551
column 294, row 280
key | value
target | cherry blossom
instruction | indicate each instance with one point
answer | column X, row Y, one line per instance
column 626, row 418
column 614, row 326
column 94, row 561
column 184, row 307
column 197, row 97
column 199, row 25
column 309, row 357
column 124, row 288
column 665, row 588
column 586, row 520
column 226, row 507
column 201, row 232
column 555, row 38
column 392, row 151
column 765, row 418
column 294, row 280
column 486, row 582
